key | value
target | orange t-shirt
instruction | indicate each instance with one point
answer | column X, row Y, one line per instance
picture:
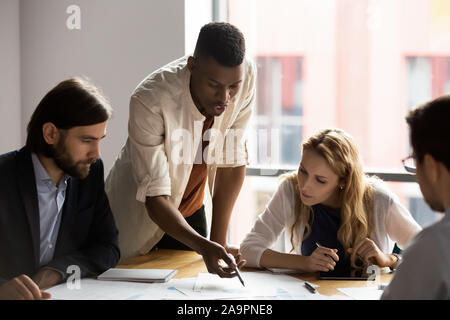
column 195, row 189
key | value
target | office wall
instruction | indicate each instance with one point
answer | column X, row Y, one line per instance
column 10, row 111
column 196, row 14
column 118, row 44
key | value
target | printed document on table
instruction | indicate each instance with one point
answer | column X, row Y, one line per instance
column 92, row 289
column 262, row 285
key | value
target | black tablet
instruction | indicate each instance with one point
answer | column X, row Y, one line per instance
column 347, row 274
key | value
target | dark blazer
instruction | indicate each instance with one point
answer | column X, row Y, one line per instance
column 87, row 237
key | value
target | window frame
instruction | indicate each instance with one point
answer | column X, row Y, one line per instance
column 384, row 175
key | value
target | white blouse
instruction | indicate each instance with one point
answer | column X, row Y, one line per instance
column 392, row 223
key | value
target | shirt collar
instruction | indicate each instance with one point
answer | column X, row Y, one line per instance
column 187, row 80
column 40, row 172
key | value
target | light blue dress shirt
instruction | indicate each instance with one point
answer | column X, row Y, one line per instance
column 51, row 200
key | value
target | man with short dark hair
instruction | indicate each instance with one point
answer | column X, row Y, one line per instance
column 186, row 127
column 425, row 270
column 55, row 217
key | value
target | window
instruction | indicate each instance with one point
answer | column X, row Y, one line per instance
column 427, row 78
column 278, row 116
column 356, row 65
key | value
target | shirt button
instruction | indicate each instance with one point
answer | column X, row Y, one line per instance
column 50, row 246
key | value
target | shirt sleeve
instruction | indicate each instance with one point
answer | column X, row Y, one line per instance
column 234, row 153
column 419, row 276
column 148, row 157
column 268, row 226
column 400, row 225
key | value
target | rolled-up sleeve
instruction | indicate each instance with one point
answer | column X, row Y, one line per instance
column 147, row 153
column 235, row 153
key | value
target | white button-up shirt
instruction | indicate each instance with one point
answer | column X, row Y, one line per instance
column 164, row 131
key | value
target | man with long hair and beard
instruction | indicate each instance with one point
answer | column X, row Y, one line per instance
column 54, row 212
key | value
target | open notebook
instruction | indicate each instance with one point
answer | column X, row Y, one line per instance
column 138, row 275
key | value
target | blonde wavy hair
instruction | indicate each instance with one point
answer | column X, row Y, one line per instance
column 356, row 198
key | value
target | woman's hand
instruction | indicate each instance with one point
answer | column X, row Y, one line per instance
column 369, row 252
column 234, row 250
column 322, row 259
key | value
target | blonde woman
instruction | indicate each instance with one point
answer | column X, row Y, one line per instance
column 331, row 212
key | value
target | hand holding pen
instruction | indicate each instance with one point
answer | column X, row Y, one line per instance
column 322, row 259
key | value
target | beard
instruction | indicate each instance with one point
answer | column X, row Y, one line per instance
column 65, row 162
column 435, row 205
column 430, row 196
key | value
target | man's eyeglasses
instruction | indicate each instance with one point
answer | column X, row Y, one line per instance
column 409, row 164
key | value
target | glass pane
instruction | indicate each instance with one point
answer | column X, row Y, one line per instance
column 351, row 64
column 291, row 137
column 419, row 80
column 428, row 78
column 291, row 85
column 267, row 84
column 278, row 118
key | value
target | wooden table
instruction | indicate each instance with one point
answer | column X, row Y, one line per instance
column 189, row 264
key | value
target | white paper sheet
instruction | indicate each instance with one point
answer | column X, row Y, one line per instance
column 92, row 289
column 363, row 293
column 258, row 285
column 219, row 288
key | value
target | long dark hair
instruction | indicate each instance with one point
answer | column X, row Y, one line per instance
column 73, row 102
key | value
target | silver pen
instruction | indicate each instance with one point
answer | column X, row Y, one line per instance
column 239, row 276
column 237, row 270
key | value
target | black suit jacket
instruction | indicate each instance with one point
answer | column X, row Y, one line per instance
column 87, row 237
